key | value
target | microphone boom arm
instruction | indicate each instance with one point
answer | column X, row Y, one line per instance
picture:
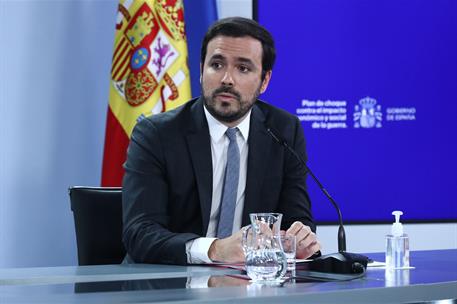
column 341, row 232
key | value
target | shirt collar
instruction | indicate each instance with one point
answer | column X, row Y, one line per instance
column 217, row 129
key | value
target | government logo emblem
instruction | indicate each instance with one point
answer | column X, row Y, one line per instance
column 367, row 114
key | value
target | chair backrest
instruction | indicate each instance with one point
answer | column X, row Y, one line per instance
column 97, row 212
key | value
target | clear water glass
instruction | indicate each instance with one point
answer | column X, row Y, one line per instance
column 289, row 246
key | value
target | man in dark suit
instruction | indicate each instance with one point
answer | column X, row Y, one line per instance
column 189, row 185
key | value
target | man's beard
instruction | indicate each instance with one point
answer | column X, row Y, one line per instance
column 244, row 105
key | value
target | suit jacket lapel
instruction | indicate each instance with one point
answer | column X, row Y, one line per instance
column 259, row 152
column 199, row 144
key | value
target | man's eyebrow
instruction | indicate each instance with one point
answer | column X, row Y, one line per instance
column 245, row 60
column 239, row 59
column 217, row 57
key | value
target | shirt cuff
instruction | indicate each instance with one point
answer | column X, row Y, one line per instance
column 197, row 250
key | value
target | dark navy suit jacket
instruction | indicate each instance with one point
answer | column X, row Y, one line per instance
column 167, row 185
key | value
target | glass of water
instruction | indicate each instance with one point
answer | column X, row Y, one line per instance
column 289, row 245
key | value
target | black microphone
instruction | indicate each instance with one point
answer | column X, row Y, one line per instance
column 341, row 262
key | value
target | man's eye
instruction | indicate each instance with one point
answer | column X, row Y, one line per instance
column 216, row 65
column 244, row 69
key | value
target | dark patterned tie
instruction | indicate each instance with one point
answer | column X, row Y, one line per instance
column 232, row 172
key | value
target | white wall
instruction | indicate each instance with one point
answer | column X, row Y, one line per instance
column 54, row 76
column 371, row 238
column 230, row 8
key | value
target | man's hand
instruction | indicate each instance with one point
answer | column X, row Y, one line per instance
column 227, row 250
column 307, row 243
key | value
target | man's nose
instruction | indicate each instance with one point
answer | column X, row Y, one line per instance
column 227, row 80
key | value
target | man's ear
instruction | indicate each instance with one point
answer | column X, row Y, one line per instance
column 265, row 81
column 201, row 72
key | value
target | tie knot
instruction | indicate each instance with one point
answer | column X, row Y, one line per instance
column 231, row 133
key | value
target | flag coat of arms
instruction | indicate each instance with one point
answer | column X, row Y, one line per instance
column 149, row 73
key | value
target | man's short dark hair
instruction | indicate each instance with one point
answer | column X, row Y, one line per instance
column 241, row 27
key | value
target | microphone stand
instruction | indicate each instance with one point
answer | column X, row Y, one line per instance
column 341, row 262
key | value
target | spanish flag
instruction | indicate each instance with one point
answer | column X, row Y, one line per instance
column 149, row 73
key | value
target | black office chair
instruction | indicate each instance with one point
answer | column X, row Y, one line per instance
column 97, row 212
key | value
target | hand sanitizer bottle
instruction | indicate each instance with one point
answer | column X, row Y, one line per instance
column 397, row 245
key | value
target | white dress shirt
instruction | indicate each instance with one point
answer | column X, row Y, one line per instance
column 197, row 249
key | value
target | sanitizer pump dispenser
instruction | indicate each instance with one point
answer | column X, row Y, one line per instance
column 397, row 245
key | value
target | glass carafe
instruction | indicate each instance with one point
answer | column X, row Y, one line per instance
column 265, row 258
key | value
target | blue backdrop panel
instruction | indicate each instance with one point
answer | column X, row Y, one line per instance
column 375, row 86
